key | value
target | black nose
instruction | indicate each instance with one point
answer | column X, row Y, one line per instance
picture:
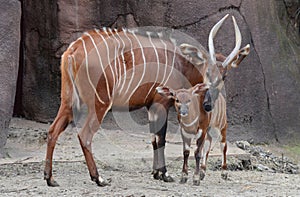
column 207, row 107
column 183, row 110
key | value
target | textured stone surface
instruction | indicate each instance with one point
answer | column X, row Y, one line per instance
column 10, row 14
column 279, row 60
column 262, row 94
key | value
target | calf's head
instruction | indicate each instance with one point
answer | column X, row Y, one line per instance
column 186, row 101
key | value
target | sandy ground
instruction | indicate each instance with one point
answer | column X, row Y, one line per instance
column 125, row 157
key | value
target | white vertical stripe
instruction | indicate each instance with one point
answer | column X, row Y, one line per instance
column 87, row 71
column 166, row 56
column 123, row 62
column 101, row 64
column 108, row 58
column 71, row 45
column 116, row 57
column 133, row 62
column 144, row 60
column 157, row 61
column 173, row 62
column 112, row 44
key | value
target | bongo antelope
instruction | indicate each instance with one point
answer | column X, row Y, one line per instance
column 202, row 108
column 121, row 68
column 196, row 123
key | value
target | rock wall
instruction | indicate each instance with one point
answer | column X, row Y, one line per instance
column 10, row 14
column 262, row 94
column 279, row 59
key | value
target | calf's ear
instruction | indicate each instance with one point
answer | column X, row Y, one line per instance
column 199, row 88
column 166, row 91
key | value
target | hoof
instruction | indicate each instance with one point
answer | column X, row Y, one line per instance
column 167, row 178
column 184, row 178
column 196, row 182
column 102, row 183
column 202, row 175
column 156, row 175
column 52, row 183
column 224, row 175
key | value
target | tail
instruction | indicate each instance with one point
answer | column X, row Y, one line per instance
column 69, row 91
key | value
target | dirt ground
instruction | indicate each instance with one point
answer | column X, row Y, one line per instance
column 125, row 157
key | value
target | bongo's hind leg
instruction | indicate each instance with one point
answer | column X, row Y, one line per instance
column 63, row 118
column 85, row 137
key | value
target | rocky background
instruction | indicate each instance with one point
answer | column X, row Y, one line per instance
column 10, row 14
column 262, row 94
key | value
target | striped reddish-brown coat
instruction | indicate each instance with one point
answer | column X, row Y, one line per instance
column 197, row 123
column 120, row 69
column 201, row 110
